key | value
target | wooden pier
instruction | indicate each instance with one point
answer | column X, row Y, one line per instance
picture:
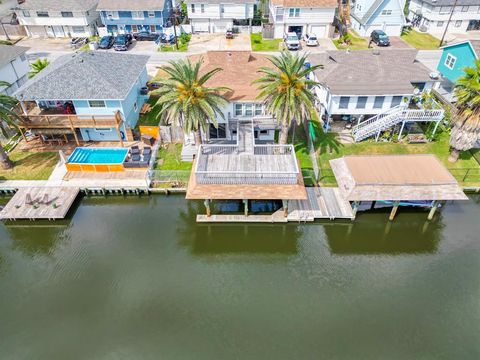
column 276, row 217
column 40, row 203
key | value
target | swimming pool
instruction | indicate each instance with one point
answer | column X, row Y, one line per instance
column 97, row 159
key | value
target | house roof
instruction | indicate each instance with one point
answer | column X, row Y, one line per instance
column 10, row 52
column 137, row 5
column 58, row 5
column 221, row 2
column 451, row 2
column 90, row 75
column 395, row 177
column 306, row 3
column 474, row 44
column 370, row 72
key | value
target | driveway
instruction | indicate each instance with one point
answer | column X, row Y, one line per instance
column 396, row 42
column 208, row 42
column 46, row 48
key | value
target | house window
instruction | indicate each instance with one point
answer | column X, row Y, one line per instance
column 258, row 109
column 112, row 15
column 359, row 7
column 450, row 61
column 464, row 8
column 458, row 23
column 78, row 29
column 396, row 100
column 222, row 9
column 23, row 57
column 386, row 12
column 361, row 102
column 219, row 132
column 238, row 110
column 445, row 9
column 151, row 14
column 378, row 103
column 135, row 106
column 192, row 8
column 294, row 12
column 134, row 28
column 137, row 15
column 96, row 103
column 279, row 14
column 42, row 13
column 26, row 13
column 248, row 109
column 202, row 8
column 440, row 23
column 344, row 100
column 67, row 14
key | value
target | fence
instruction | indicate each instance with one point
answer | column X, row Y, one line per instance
column 268, row 31
column 169, row 178
column 466, row 176
column 171, row 134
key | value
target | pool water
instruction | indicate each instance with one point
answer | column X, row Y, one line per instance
column 98, row 156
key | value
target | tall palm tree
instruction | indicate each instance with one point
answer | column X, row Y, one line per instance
column 286, row 90
column 7, row 119
column 185, row 98
column 37, row 66
column 466, row 119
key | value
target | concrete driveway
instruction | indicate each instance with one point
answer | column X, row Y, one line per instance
column 396, row 42
column 208, row 42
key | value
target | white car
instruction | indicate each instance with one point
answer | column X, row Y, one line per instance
column 291, row 41
column 311, row 40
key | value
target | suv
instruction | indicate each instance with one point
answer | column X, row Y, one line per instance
column 106, row 42
column 291, row 41
column 122, row 42
column 311, row 40
column 380, row 38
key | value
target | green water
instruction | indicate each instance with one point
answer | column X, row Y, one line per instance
column 139, row 279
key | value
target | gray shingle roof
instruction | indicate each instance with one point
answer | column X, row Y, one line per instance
column 91, row 75
column 137, row 5
column 451, row 2
column 391, row 72
column 10, row 52
column 220, row 2
column 58, row 5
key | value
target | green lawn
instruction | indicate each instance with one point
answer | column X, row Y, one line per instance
column 421, row 41
column 30, row 165
column 260, row 44
column 150, row 118
column 182, row 47
column 169, row 158
column 357, row 42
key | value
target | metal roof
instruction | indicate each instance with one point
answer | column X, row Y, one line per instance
column 58, row 5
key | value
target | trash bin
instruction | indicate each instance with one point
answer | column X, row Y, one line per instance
column 93, row 45
column 148, row 140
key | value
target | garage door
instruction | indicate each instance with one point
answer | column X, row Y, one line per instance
column 201, row 27
column 319, row 30
column 392, row 30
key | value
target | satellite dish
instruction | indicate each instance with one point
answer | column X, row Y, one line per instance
column 434, row 75
column 416, row 91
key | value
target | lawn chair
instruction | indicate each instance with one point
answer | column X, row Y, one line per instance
column 147, row 150
column 44, row 200
column 134, row 150
column 28, row 199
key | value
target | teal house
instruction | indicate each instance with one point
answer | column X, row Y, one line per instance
column 456, row 57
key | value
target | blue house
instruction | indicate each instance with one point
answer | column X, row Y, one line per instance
column 386, row 15
column 134, row 16
column 87, row 96
column 456, row 57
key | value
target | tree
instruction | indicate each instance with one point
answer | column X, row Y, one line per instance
column 7, row 120
column 37, row 66
column 466, row 119
column 286, row 90
column 184, row 98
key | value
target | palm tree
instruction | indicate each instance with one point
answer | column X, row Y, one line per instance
column 37, row 66
column 286, row 90
column 466, row 119
column 184, row 97
column 7, row 120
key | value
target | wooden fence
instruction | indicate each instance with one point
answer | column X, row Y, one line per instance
column 171, row 134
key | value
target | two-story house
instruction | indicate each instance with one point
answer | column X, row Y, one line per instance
column 386, row 15
column 217, row 16
column 87, row 96
column 302, row 16
column 52, row 18
column 134, row 16
column 14, row 67
column 433, row 15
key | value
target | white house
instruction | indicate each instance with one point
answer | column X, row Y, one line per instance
column 302, row 16
column 59, row 18
column 14, row 67
column 432, row 15
column 217, row 16
column 386, row 15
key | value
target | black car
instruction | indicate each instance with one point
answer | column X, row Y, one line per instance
column 122, row 42
column 145, row 36
column 106, row 42
column 380, row 38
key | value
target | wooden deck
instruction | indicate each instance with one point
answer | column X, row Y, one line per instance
column 48, row 203
column 276, row 217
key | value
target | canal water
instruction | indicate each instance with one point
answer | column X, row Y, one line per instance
column 137, row 278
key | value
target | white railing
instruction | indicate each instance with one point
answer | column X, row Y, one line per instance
column 270, row 149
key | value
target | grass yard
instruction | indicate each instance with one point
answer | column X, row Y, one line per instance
column 150, row 118
column 260, row 44
column 30, row 165
column 421, row 41
column 357, row 42
column 182, row 47
column 169, row 158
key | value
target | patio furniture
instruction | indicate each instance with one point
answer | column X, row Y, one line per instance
column 148, row 140
column 146, row 108
column 147, row 150
column 135, row 150
column 135, row 157
column 28, row 199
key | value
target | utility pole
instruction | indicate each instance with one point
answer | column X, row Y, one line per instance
column 448, row 22
column 174, row 18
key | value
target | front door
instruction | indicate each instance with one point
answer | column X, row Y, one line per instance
column 58, row 31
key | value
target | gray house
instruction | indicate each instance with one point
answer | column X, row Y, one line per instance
column 14, row 67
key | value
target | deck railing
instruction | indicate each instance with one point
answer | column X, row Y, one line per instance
column 68, row 121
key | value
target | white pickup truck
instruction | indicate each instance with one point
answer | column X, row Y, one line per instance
column 291, row 41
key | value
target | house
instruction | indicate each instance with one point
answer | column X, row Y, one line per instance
column 386, row 15
column 215, row 16
column 372, row 85
column 302, row 16
column 134, row 16
column 83, row 97
column 433, row 15
column 58, row 18
column 14, row 67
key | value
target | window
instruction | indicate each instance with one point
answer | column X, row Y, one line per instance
column 135, row 106
column 112, row 15
column 450, row 61
column 67, row 14
column 78, row 29
column 202, row 8
column 26, row 13
column 396, row 100
column 23, row 57
column 464, row 8
column 248, row 109
column 192, row 8
column 294, row 12
column 440, row 23
column 258, row 109
column 344, row 100
column 378, row 103
column 445, row 9
column 217, row 133
column 222, row 9
column 279, row 14
column 458, row 23
column 361, row 102
column 151, row 14
column 96, row 103
column 42, row 13
column 386, row 12
column 238, row 110
column 138, row 15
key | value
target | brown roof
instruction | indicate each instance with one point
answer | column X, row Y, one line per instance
column 306, row 3
column 395, row 177
column 240, row 68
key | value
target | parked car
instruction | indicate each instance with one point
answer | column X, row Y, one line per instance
column 106, row 42
column 122, row 42
column 380, row 38
column 166, row 39
column 311, row 40
column 145, row 36
column 291, row 41
column 76, row 42
column 229, row 34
